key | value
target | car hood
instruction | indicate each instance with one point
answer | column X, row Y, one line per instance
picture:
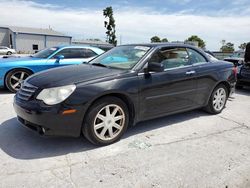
column 73, row 74
column 17, row 60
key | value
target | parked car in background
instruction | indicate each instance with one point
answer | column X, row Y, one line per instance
column 13, row 71
column 121, row 87
column 243, row 76
column 6, row 51
column 244, row 70
column 237, row 58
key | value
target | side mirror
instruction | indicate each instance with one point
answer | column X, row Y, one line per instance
column 155, row 67
column 59, row 57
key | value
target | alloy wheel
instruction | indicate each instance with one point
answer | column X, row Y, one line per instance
column 17, row 78
column 219, row 99
column 109, row 122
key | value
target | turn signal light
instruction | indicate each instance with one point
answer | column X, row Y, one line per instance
column 72, row 111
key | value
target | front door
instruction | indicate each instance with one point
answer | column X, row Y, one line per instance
column 169, row 91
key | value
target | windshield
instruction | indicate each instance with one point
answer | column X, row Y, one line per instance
column 45, row 53
column 122, row 57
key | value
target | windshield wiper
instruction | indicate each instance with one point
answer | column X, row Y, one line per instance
column 99, row 64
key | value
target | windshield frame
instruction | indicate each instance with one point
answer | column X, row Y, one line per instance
column 95, row 60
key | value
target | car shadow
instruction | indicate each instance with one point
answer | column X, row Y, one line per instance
column 243, row 91
column 21, row 143
column 4, row 91
column 164, row 122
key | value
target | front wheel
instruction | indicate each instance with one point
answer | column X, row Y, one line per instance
column 217, row 100
column 9, row 53
column 106, row 121
column 14, row 79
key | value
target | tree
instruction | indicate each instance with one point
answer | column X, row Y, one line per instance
column 155, row 39
column 227, row 47
column 158, row 39
column 243, row 46
column 195, row 38
column 109, row 24
column 164, row 40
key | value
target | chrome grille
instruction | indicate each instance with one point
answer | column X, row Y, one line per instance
column 26, row 92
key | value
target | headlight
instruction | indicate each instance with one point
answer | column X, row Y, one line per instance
column 56, row 95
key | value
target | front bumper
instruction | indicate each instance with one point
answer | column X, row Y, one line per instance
column 1, row 79
column 49, row 120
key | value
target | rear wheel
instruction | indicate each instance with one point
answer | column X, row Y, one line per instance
column 14, row 79
column 217, row 100
column 9, row 53
column 106, row 121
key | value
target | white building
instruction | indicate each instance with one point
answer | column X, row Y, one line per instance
column 95, row 43
column 30, row 40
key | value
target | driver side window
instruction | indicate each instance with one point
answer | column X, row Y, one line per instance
column 67, row 53
column 171, row 57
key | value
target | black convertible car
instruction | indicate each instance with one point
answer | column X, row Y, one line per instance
column 125, row 85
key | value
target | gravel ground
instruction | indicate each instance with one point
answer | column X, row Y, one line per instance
column 191, row 149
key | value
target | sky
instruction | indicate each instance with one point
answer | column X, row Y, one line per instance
column 136, row 20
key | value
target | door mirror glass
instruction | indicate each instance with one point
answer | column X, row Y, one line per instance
column 155, row 67
column 59, row 57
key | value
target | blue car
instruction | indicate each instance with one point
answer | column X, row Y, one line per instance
column 13, row 71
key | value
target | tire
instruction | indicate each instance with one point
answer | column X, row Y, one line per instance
column 94, row 134
column 9, row 53
column 15, row 78
column 212, row 107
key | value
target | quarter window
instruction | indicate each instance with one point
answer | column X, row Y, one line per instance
column 195, row 57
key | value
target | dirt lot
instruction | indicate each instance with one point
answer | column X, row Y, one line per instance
column 193, row 149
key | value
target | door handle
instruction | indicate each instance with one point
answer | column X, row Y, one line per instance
column 190, row 72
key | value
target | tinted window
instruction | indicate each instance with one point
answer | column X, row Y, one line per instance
column 171, row 57
column 67, row 53
column 195, row 57
column 87, row 53
column 45, row 53
column 71, row 53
